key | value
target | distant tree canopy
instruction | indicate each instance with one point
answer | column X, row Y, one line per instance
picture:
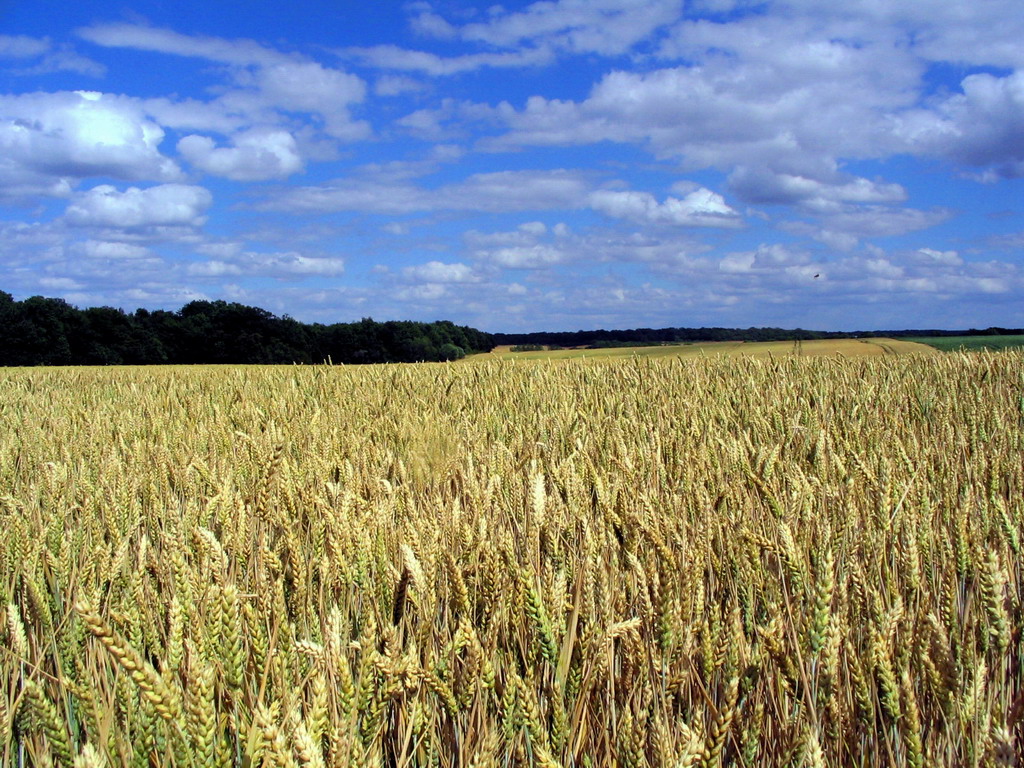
column 650, row 336
column 41, row 331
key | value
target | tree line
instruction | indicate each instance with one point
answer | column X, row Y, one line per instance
column 47, row 331
column 652, row 336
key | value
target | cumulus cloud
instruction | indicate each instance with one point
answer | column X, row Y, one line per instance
column 764, row 186
column 264, row 80
column 102, row 249
column 440, row 272
column 281, row 265
column 718, row 114
column 535, row 256
column 61, row 284
column 787, row 109
column 163, row 205
column 768, row 259
column 531, row 37
column 700, row 208
column 608, row 27
column 26, row 247
column 302, row 86
column 257, row 155
column 811, row 286
column 777, row 98
column 530, row 246
column 972, row 33
column 533, row 245
column 448, row 119
column 983, row 126
column 846, row 226
column 932, row 257
column 50, row 141
column 499, row 191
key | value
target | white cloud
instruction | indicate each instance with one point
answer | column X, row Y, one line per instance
column 257, row 155
column 426, row 292
column 451, row 118
column 428, row 23
column 536, row 256
column 43, row 57
column 19, row 237
column 528, row 38
column 844, row 227
column 266, row 81
column 762, row 185
column 214, row 268
column 102, row 249
column 146, row 38
column 804, row 116
column 521, row 190
column 281, row 265
column 221, row 250
column 984, row 125
column 971, row 33
column 810, row 287
column 534, row 247
column 778, row 97
column 22, row 47
column 49, row 141
column 60, row 284
column 726, row 112
column 881, row 268
column 700, row 208
column 489, row 192
column 440, row 272
column 765, row 260
column 310, row 87
column 932, row 257
column 393, row 57
column 396, row 85
column 163, row 205
column 608, row 27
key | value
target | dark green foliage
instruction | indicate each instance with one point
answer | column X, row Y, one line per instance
column 40, row 331
column 451, row 351
column 639, row 337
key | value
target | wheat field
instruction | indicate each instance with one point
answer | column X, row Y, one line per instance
column 638, row 562
column 868, row 346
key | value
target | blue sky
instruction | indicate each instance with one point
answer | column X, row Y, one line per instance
column 528, row 166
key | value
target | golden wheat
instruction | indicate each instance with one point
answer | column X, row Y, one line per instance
column 642, row 562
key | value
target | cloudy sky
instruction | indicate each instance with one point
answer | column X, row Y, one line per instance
column 529, row 166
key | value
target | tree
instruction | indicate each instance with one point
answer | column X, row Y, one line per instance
column 41, row 331
column 452, row 352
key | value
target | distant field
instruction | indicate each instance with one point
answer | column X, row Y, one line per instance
column 950, row 343
column 816, row 348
